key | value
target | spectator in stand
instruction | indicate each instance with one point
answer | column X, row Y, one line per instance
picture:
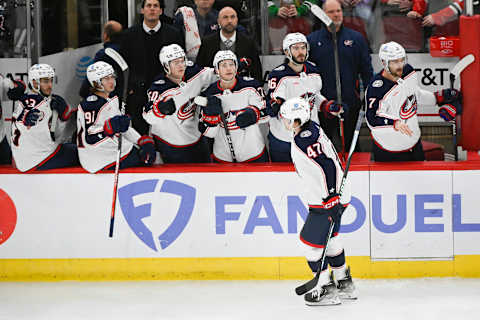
column 441, row 17
column 229, row 39
column 355, row 63
column 111, row 39
column 141, row 45
column 288, row 8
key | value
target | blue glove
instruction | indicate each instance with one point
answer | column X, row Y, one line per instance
column 30, row 117
column 446, row 96
column 164, row 107
column 116, row 124
column 17, row 92
column 147, row 150
column 330, row 107
column 58, row 103
column 248, row 116
column 449, row 111
column 213, row 107
column 275, row 105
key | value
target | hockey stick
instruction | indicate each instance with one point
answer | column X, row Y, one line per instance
column 202, row 101
column 306, row 287
column 124, row 66
column 455, row 73
column 320, row 14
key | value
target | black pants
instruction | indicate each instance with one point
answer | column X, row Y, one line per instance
column 135, row 103
column 414, row 154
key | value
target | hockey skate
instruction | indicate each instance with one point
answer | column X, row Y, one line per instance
column 324, row 296
column 346, row 288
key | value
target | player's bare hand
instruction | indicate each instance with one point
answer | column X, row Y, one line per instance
column 428, row 21
column 414, row 15
column 402, row 127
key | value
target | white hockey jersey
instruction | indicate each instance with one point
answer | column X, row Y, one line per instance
column 32, row 146
column 248, row 143
column 95, row 149
column 181, row 128
column 318, row 165
column 285, row 83
column 388, row 101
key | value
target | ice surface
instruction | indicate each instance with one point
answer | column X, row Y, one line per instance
column 435, row 298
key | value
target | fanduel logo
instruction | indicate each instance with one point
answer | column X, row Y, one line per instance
column 134, row 214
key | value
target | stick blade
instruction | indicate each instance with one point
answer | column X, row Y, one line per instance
column 319, row 13
column 117, row 58
column 307, row 286
column 462, row 64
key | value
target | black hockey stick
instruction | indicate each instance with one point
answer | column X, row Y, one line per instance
column 202, row 101
column 124, row 66
column 306, row 287
column 455, row 73
column 320, row 14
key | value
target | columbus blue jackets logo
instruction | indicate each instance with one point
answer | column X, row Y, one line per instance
column 187, row 110
column 138, row 216
column 409, row 107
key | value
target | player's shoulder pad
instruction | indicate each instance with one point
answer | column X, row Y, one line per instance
column 307, row 136
column 408, row 69
column 92, row 102
column 279, row 68
column 212, row 89
column 29, row 96
column 60, row 98
column 311, row 67
column 191, row 71
column 378, row 86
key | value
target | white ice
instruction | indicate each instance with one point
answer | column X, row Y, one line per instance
column 435, row 298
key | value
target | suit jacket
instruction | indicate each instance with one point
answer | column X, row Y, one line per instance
column 244, row 47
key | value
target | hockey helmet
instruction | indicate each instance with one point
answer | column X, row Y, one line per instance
column 169, row 53
column 39, row 71
column 391, row 51
column 291, row 39
column 224, row 55
column 295, row 109
column 97, row 71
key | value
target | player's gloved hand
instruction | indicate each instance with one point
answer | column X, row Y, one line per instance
column 212, row 111
column 275, row 105
column 331, row 109
column 116, row 124
column 244, row 64
column 30, row 117
column 332, row 204
column 147, row 151
column 166, row 108
column 60, row 105
column 445, row 96
column 247, row 116
column 449, row 111
column 17, row 91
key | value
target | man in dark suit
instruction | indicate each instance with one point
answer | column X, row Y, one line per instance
column 140, row 47
column 229, row 39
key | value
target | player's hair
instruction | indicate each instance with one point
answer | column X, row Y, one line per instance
column 160, row 2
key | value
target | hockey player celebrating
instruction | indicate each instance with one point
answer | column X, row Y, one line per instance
column 318, row 166
column 99, row 121
column 240, row 100
column 34, row 122
column 392, row 97
column 295, row 78
column 171, row 111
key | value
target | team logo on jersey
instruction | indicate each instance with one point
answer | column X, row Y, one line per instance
column 305, row 134
column 377, row 83
column 409, row 107
column 92, row 98
column 348, row 43
column 141, row 218
column 187, row 110
column 8, row 216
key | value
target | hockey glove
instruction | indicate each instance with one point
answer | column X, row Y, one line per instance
column 449, row 111
column 164, row 108
column 332, row 109
column 212, row 111
column 59, row 104
column 17, row 91
column 116, row 124
column 248, row 116
column 147, row 151
column 445, row 96
column 275, row 105
column 30, row 117
column 332, row 204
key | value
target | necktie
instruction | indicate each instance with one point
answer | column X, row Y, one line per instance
column 228, row 43
column 152, row 32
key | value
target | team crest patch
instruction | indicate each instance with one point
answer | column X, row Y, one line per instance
column 160, row 82
column 92, row 98
column 280, row 68
column 348, row 43
column 305, row 134
column 377, row 83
